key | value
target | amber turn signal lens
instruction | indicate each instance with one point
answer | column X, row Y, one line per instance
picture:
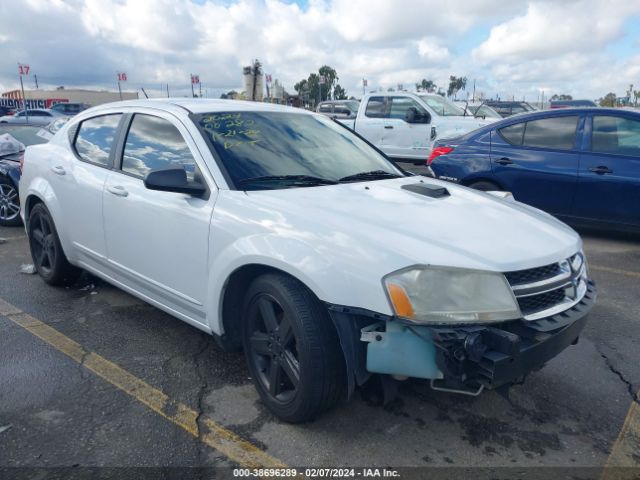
column 400, row 301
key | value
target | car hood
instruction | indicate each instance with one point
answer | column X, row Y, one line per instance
column 467, row 228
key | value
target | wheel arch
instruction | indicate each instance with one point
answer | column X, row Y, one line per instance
column 481, row 178
column 232, row 296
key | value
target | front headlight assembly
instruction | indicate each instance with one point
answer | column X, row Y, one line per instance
column 442, row 295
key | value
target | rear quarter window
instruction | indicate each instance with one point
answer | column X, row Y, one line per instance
column 513, row 133
column 95, row 138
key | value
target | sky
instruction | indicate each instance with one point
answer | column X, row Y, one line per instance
column 510, row 48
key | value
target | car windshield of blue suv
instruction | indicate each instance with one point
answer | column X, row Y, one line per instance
column 274, row 150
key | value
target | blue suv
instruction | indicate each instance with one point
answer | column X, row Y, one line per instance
column 580, row 164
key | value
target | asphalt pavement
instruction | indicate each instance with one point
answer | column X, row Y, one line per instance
column 58, row 409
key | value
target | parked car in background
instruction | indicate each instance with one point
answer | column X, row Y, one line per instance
column 33, row 116
column 404, row 125
column 339, row 108
column 571, row 103
column 70, row 109
column 479, row 110
column 506, row 108
column 13, row 141
column 582, row 165
column 281, row 232
column 6, row 111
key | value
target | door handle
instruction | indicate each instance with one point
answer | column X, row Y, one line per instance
column 58, row 170
column 117, row 190
column 601, row 170
column 504, row 161
column 388, row 127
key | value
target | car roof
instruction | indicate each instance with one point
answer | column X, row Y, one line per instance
column 202, row 105
column 540, row 114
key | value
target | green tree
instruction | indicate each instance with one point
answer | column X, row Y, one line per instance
column 564, row 96
column 330, row 77
column 636, row 96
column 426, row 85
column 339, row 93
column 230, row 95
column 609, row 100
column 313, row 87
column 455, row 85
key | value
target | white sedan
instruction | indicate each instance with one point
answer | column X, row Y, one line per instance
column 279, row 231
column 32, row 116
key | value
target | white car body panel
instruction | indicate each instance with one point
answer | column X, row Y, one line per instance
column 177, row 252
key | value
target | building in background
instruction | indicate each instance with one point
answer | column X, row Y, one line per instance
column 47, row 98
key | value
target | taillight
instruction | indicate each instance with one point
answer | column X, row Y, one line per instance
column 436, row 152
column 21, row 163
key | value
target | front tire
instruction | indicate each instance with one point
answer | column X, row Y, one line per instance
column 9, row 204
column 292, row 348
column 46, row 251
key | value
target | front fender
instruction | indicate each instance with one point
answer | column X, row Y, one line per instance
column 330, row 281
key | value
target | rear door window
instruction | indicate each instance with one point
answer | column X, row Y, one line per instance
column 325, row 108
column 95, row 138
column 375, row 107
column 615, row 135
column 558, row 133
column 513, row 133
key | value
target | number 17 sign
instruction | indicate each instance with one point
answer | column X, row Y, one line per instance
column 23, row 69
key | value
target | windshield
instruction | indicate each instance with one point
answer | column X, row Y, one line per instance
column 442, row 106
column 485, row 111
column 253, row 145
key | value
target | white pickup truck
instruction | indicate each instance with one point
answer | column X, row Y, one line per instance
column 404, row 125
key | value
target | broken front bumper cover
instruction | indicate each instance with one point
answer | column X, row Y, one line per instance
column 468, row 359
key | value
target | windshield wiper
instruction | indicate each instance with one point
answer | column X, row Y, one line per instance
column 373, row 175
column 308, row 180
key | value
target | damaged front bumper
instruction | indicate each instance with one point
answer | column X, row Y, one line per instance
column 465, row 359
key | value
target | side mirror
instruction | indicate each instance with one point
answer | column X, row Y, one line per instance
column 172, row 179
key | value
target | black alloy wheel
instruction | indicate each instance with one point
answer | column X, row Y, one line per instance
column 46, row 251
column 9, row 204
column 292, row 348
column 273, row 348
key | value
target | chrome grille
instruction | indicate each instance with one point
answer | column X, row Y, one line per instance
column 543, row 301
column 550, row 289
column 533, row 274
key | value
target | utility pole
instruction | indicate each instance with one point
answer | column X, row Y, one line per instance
column 24, row 101
column 36, row 79
column 193, row 94
column 473, row 98
column 23, row 70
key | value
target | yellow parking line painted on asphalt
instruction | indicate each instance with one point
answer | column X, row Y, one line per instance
column 619, row 271
column 209, row 432
column 626, row 445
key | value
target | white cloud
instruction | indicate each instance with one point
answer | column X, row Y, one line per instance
column 556, row 28
column 526, row 43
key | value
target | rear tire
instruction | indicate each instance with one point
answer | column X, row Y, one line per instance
column 46, row 251
column 292, row 348
column 9, row 204
column 485, row 186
